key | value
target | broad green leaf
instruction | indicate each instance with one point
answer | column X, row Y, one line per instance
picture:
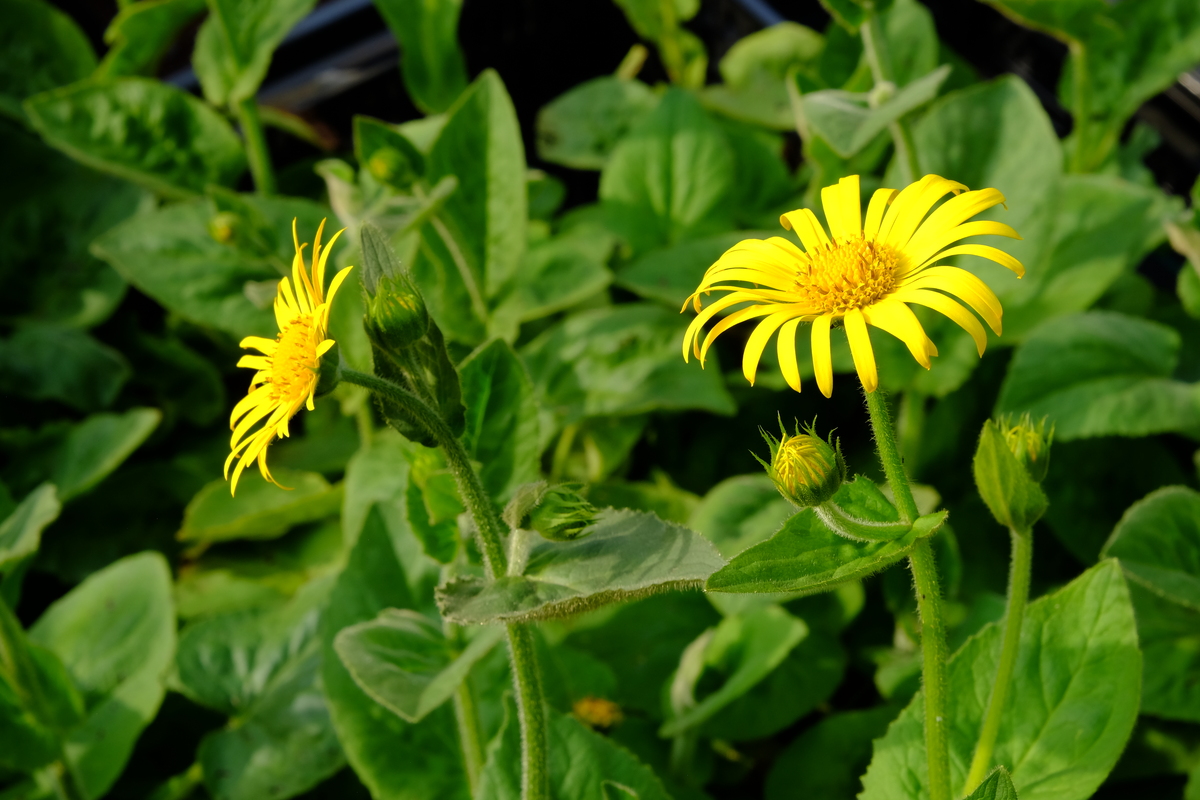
column 912, row 42
column 622, row 360
column 261, row 510
column 170, row 255
column 1100, row 374
column 847, row 122
column 669, row 274
column 141, row 33
column 660, row 497
column 1158, row 543
column 27, row 733
column 760, row 62
column 1072, row 703
column 652, row 18
column 1169, row 635
column 283, row 746
column 236, row 42
column 584, row 765
column 1010, row 493
column 627, row 555
column 806, row 557
column 502, row 419
column 184, row 383
column 52, row 362
column 97, row 446
column 826, row 760
column 115, row 633
column 670, row 177
column 740, row 512
column 745, row 649
column 387, row 153
column 142, row 130
column 40, row 48
column 371, row 737
column 405, row 663
column 996, row 786
column 21, row 530
column 431, row 62
column 580, row 128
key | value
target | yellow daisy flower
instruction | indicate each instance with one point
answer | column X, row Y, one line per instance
column 290, row 364
column 862, row 273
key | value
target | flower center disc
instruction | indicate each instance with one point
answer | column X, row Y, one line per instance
column 845, row 275
column 294, row 365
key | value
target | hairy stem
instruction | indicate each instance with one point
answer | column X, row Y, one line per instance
column 535, row 784
column 256, row 146
column 929, row 604
column 1018, row 596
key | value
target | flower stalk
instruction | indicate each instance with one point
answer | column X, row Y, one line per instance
column 880, row 62
column 257, row 154
column 929, row 604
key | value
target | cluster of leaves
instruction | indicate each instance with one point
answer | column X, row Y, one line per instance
column 307, row 624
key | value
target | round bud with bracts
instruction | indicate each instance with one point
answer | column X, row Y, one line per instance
column 396, row 316
column 562, row 514
column 806, row 469
column 1030, row 443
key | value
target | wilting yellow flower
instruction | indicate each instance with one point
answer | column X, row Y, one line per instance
column 863, row 273
column 289, row 367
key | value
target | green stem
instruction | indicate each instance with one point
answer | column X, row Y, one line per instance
column 929, row 604
column 879, row 60
column 469, row 736
column 1018, row 596
column 535, row 784
column 1081, row 112
column 256, row 146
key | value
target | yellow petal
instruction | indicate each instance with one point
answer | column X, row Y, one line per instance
column 982, row 227
column 860, row 349
column 251, row 400
column 759, row 338
column 786, row 348
column 333, row 287
column 962, row 283
column 953, row 213
column 880, row 201
column 950, row 308
column 319, row 266
column 693, row 330
column 985, row 251
column 843, row 208
column 265, row 346
column 908, row 212
column 899, row 320
column 806, row 226
column 254, row 362
column 821, row 355
column 733, row 319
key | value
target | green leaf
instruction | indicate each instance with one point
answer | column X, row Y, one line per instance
column 1010, row 493
column 141, row 32
column 745, row 648
column 806, row 557
column 1100, row 374
column 1158, row 542
column 502, row 419
column 432, row 765
column 387, row 153
column 740, row 512
column 40, row 48
column 98, row 445
column 996, row 786
column 826, row 760
column 142, row 130
column 652, row 20
column 52, row 362
column 583, row 764
column 261, row 510
column 236, row 42
column 1072, row 703
column 669, row 274
column 580, row 128
column 405, row 663
column 1169, row 635
column 431, row 62
column 115, row 633
column 628, row 554
column 21, row 530
column 773, row 51
column 848, row 123
column 670, row 178
column 170, row 255
column 912, row 42
column 622, row 360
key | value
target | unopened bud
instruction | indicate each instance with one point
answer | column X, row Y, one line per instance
column 562, row 514
column 396, row 314
column 596, row 712
column 1030, row 443
column 805, row 468
column 221, row 226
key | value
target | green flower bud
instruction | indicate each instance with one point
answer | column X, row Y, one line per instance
column 805, row 468
column 562, row 514
column 222, row 226
column 396, row 315
column 1030, row 443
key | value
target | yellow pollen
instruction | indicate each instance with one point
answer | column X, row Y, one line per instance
column 845, row 275
column 294, row 365
column 800, row 461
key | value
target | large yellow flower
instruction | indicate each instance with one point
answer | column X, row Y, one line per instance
column 862, row 273
column 289, row 367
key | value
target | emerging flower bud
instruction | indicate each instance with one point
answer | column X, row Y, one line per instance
column 1030, row 443
column 221, row 227
column 806, row 469
column 596, row 712
column 562, row 514
column 396, row 314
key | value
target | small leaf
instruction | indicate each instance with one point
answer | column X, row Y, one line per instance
column 1158, row 543
column 98, row 445
column 21, row 531
column 142, row 32
column 261, row 510
column 236, row 42
column 431, row 62
column 628, row 554
column 405, row 663
column 580, row 128
column 40, row 48
column 996, row 786
column 142, row 130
